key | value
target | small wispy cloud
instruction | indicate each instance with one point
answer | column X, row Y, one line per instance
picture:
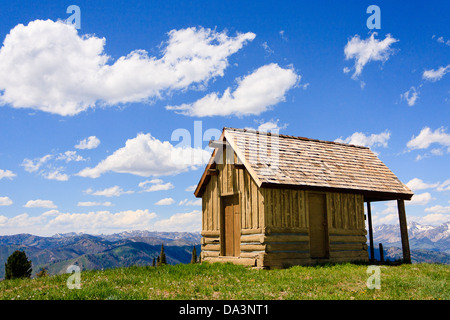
column 365, row 50
column 155, row 185
column 7, row 174
column 187, row 202
column 91, row 142
column 115, row 191
column 435, row 75
column 95, row 204
column 165, row 202
column 267, row 49
column 441, row 40
column 410, row 96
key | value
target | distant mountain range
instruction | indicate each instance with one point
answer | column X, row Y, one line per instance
column 427, row 243
column 58, row 252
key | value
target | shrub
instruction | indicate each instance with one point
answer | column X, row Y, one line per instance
column 42, row 273
column 17, row 266
column 162, row 257
column 194, row 255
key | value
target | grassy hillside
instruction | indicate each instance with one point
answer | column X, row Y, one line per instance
column 226, row 281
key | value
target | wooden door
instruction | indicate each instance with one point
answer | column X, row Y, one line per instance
column 318, row 231
column 232, row 226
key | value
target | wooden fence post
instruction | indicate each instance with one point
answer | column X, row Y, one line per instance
column 403, row 231
column 381, row 252
column 369, row 219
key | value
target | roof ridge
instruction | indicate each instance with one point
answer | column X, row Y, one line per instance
column 296, row 137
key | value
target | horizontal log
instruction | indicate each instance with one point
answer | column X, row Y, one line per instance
column 210, row 233
column 349, row 254
column 235, row 260
column 346, row 246
column 210, row 240
column 253, row 238
column 251, row 231
column 283, row 230
column 334, row 231
column 253, row 247
column 286, row 255
column 210, row 254
column 210, row 247
column 286, row 238
column 347, row 238
column 280, row 247
column 251, row 254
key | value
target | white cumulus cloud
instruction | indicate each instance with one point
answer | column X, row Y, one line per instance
column 48, row 66
column 181, row 222
column 426, row 137
column 147, row 156
column 373, row 140
column 91, row 142
column 40, row 204
column 438, row 209
column 420, row 199
column 165, row 202
column 5, row 201
column 255, row 93
column 418, row 184
column 101, row 221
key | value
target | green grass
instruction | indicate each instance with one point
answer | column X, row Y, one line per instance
column 227, row 281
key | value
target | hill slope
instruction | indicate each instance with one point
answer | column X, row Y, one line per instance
column 124, row 249
column 225, row 281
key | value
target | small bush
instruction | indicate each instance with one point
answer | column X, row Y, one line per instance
column 18, row 266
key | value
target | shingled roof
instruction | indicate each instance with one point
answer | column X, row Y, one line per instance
column 295, row 162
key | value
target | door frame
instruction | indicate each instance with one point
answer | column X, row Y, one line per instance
column 223, row 198
column 326, row 230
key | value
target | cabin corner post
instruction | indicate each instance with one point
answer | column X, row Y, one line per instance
column 403, row 230
column 369, row 219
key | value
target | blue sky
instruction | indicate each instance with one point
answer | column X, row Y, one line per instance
column 83, row 110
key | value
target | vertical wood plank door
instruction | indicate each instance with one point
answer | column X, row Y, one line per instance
column 232, row 226
column 318, row 230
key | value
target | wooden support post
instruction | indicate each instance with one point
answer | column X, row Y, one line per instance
column 403, row 231
column 381, row 252
column 369, row 220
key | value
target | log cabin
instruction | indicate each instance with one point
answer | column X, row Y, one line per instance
column 273, row 201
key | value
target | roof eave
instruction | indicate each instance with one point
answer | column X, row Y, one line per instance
column 369, row 195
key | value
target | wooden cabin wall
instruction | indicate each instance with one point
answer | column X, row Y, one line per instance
column 286, row 237
column 232, row 181
column 287, row 223
column 346, row 227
